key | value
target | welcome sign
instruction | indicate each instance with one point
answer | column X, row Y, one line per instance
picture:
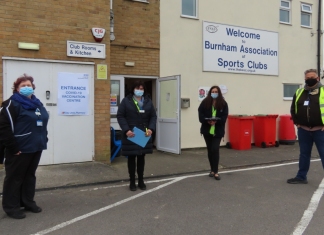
column 233, row 49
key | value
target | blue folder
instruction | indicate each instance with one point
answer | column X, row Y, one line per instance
column 140, row 138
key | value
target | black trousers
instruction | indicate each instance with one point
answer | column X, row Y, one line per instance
column 20, row 180
column 212, row 144
column 131, row 163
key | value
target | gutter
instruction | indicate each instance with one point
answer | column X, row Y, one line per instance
column 319, row 33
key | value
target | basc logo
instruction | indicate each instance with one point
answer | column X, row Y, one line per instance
column 212, row 28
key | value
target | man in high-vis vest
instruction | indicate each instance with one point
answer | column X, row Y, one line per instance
column 307, row 111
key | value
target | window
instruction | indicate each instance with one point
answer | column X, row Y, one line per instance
column 289, row 90
column 306, row 15
column 285, row 12
column 189, row 8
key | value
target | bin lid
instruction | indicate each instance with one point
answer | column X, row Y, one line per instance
column 267, row 115
column 240, row 116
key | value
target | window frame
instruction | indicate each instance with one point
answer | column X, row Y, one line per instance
column 309, row 13
column 285, row 9
column 289, row 98
column 188, row 16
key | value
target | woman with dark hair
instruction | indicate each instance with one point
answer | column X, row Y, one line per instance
column 213, row 112
column 136, row 110
column 23, row 133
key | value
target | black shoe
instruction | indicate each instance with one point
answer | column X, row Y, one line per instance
column 141, row 185
column 17, row 215
column 34, row 209
column 132, row 186
column 296, row 181
column 217, row 176
column 211, row 174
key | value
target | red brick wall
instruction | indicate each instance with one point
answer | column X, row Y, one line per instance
column 137, row 31
column 51, row 23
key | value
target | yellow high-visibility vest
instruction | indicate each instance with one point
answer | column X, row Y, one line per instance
column 321, row 100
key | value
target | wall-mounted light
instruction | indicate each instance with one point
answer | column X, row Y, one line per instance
column 130, row 64
column 28, row 46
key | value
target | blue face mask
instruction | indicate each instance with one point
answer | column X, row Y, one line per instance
column 26, row 91
column 214, row 95
column 138, row 93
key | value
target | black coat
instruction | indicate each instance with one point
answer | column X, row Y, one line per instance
column 128, row 117
column 220, row 124
column 314, row 112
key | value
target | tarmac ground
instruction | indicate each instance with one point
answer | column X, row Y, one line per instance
column 158, row 165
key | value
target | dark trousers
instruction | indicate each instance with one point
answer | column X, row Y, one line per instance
column 212, row 144
column 306, row 140
column 131, row 163
column 20, row 181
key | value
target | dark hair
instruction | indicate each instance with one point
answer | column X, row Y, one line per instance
column 310, row 71
column 21, row 79
column 220, row 101
column 137, row 84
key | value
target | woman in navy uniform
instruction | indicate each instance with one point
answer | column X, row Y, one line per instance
column 23, row 133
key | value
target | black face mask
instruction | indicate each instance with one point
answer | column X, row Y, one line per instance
column 311, row 82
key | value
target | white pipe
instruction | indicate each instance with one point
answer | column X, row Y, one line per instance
column 112, row 36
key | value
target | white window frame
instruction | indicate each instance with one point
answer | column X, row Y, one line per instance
column 285, row 84
column 302, row 5
column 286, row 9
column 188, row 16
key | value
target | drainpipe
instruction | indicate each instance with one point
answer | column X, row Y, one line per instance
column 319, row 33
column 112, row 35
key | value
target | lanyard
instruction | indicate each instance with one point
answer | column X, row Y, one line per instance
column 136, row 103
column 213, row 112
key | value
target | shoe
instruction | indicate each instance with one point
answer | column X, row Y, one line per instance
column 217, row 176
column 296, row 181
column 141, row 185
column 17, row 215
column 132, row 186
column 34, row 209
column 211, row 174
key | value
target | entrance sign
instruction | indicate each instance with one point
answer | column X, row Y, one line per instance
column 234, row 49
column 86, row 49
column 73, row 94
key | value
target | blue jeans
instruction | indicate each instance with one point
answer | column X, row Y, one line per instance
column 306, row 140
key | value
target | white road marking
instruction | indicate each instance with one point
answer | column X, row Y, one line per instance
column 62, row 225
column 308, row 214
column 174, row 180
column 123, row 185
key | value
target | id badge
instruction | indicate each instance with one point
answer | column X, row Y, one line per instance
column 142, row 111
column 39, row 123
column 306, row 102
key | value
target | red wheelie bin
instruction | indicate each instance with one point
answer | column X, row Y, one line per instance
column 287, row 134
column 265, row 130
column 240, row 132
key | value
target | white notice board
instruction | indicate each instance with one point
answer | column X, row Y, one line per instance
column 73, row 94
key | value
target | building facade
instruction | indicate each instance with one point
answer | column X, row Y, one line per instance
column 60, row 44
column 257, row 51
column 34, row 39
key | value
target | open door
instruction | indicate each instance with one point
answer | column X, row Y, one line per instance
column 168, row 112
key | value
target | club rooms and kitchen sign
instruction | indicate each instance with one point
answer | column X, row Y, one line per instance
column 234, row 49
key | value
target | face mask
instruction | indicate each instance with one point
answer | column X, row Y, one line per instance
column 214, row 95
column 138, row 93
column 26, row 91
column 311, row 82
